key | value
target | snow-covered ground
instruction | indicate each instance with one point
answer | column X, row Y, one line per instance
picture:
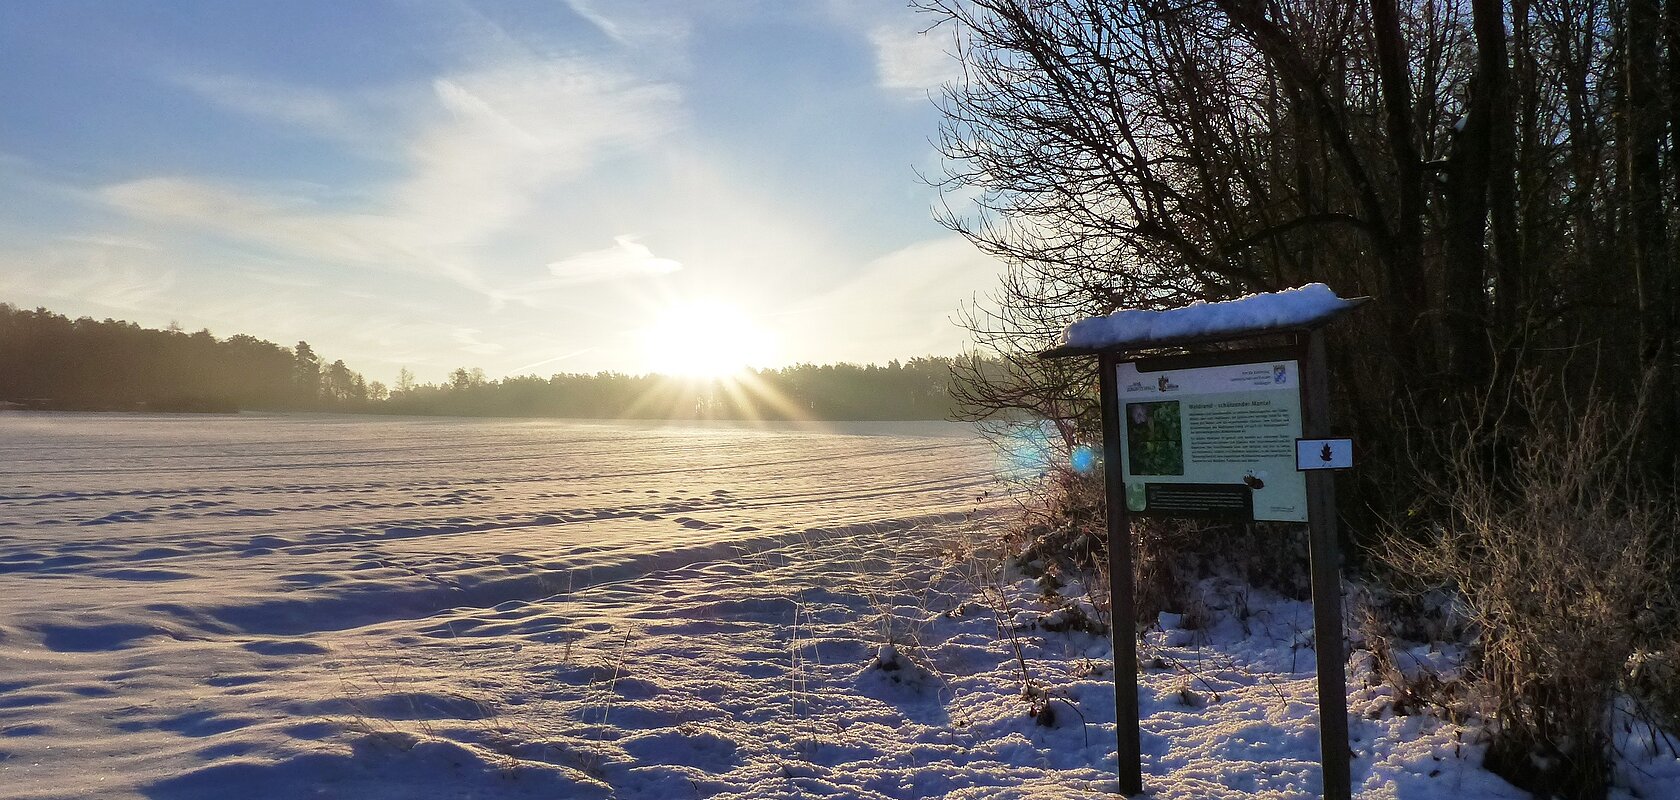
column 279, row 607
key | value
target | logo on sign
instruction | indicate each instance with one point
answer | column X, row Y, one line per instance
column 1165, row 385
column 1280, row 373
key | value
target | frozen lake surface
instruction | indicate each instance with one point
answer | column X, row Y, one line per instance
column 182, row 591
column 291, row 525
column 200, row 608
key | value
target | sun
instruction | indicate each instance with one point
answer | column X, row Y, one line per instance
column 704, row 339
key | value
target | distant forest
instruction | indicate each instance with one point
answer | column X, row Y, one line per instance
column 51, row 362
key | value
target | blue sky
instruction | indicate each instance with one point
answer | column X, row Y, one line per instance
column 528, row 187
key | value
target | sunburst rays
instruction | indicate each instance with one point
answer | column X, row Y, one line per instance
column 743, row 396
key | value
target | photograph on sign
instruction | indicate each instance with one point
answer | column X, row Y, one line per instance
column 1155, row 438
column 1213, row 440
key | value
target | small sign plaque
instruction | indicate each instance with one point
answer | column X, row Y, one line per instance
column 1323, row 454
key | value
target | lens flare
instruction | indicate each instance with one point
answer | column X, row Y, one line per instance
column 1084, row 459
column 1034, row 450
column 1029, row 450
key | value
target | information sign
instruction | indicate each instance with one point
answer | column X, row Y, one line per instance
column 1215, row 441
column 1215, row 431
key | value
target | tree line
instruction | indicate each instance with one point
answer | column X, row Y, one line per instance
column 50, row 362
column 914, row 389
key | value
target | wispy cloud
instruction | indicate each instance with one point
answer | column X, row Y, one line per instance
column 916, row 287
column 636, row 25
column 506, row 132
column 108, row 277
column 524, row 369
column 912, row 61
column 112, row 241
column 468, row 341
column 482, row 149
column 304, row 108
column 584, row 9
column 288, row 224
column 627, row 258
column 281, row 279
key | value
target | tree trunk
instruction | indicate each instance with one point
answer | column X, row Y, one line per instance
column 1464, row 273
column 1404, row 281
column 1649, row 222
column 1512, row 293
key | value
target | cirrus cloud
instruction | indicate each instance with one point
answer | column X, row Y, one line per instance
column 478, row 153
column 912, row 62
column 626, row 258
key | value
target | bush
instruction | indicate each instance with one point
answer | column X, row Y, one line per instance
column 1062, row 537
column 1561, row 558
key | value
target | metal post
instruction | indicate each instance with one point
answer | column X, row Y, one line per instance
column 1122, row 611
column 1326, row 580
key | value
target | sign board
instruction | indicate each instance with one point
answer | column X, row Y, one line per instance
column 1323, row 454
column 1212, row 441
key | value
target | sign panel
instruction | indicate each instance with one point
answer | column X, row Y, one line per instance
column 1323, row 454
column 1213, row 441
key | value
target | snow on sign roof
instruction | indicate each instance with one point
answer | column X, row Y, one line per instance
column 1292, row 309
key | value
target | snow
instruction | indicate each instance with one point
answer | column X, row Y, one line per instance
column 1291, row 308
column 283, row 607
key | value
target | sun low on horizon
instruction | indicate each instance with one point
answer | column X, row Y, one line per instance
column 706, row 339
column 491, row 185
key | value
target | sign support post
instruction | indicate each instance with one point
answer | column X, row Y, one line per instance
column 1326, row 580
column 1122, row 610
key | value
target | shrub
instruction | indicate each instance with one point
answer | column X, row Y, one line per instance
column 1062, row 537
column 1560, row 556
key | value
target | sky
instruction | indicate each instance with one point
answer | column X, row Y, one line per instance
column 529, row 187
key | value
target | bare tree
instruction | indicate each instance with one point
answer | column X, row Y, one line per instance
column 1491, row 172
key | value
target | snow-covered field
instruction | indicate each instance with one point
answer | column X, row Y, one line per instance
column 279, row 607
